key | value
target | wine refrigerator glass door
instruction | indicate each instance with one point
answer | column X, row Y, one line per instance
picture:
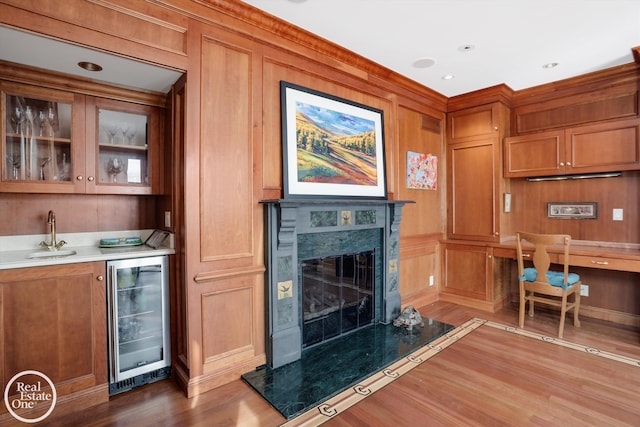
column 139, row 317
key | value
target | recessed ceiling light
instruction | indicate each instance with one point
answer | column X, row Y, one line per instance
column 424, row 63
column 448, row 77
column 466, row 47
column 550, row 65
column 89, row 66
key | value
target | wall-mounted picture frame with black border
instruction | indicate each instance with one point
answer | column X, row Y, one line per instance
column 332, row 147
column 571, row 210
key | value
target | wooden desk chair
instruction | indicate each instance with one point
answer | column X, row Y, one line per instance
column 539, row 284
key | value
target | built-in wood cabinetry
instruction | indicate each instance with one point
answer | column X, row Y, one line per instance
column 602, row 147
column 53, row 320
column 468, row 274
column 56, row 141
column 475, row 187
column 474, row 178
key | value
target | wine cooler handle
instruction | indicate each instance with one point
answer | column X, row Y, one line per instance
column 113, row 323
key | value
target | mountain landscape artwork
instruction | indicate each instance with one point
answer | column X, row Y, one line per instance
column 331, row 147
column 335, row 147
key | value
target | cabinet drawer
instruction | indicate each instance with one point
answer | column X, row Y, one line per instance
column 604, row 263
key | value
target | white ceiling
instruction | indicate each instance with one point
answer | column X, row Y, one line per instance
column 511, row 39
column 42, row 52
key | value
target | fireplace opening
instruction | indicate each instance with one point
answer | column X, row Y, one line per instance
column 338, row 295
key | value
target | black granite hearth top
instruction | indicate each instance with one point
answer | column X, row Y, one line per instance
column 328, row 368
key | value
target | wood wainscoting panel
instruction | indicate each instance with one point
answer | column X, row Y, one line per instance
column 226, row 160
column 227, row 326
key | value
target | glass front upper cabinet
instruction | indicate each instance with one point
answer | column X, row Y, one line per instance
column 122, row 148
column 37, row 143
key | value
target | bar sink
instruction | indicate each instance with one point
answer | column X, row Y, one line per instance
column 51, row 254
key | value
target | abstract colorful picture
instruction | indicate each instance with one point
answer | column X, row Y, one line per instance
column 422, row 171
column 331, row 147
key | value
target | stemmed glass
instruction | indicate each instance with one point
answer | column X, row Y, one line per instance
column 130, row 134
column 14, row 161
column 17, row 118
column 43, row 163
column 111, row 133
column 114, row 167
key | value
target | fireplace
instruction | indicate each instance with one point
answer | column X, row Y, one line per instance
column 332, row 268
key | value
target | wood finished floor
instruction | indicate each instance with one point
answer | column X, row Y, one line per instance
column 482, row 380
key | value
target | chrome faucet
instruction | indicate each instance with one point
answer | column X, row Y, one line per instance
column 52, row 245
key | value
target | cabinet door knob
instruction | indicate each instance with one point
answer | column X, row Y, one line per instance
column 100, row 278
column 561, row 163
column 90, row 179
column 568, row 163
column 79, row 177
column 490, row 256
column 495, row 128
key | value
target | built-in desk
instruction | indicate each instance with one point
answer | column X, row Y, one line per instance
column 615, row 294
column 583, row 254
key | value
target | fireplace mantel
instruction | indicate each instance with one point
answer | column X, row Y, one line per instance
column 285, row 221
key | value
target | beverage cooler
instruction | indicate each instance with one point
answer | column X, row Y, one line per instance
column 138, row 327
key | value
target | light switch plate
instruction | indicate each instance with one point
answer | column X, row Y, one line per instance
column 507, row 202
column 617, row 214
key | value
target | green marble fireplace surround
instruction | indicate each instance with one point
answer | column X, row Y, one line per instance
column 304, row 229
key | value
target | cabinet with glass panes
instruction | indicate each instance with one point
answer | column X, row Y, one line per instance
column 64, row 142
column 38, row 149
column 127, row 137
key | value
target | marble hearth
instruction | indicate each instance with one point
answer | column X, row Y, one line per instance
column 298, row 231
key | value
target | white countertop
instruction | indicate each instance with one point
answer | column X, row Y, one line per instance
column 15, row 249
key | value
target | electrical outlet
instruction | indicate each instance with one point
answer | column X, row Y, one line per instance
column 507, row 202
column 584, row 290
column 167, row 218
column 431, row 280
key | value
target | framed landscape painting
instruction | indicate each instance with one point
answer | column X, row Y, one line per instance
column 331, row 147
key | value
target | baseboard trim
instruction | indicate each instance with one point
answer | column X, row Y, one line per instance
column 619, row 317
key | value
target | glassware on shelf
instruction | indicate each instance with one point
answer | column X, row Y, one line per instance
column 111, row 132
column 64, row 169
column 17, row 119
column 43, row 162
column 129, row 134
column 14, row 161
column 114, row 167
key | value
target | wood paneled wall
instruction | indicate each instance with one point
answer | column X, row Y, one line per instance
column 529, row 207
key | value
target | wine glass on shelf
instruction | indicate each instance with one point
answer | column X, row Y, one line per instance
column 43, row 163
column 17, row 118
column 130, row 135
column 111, row 132
column 114, row 167
column 14, row 161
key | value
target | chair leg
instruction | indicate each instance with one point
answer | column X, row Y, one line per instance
column 576, row 308
column 563, row 312
column 523, row 303
column 531, row 304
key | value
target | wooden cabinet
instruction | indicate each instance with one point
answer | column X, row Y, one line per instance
column 474, row 173
column 603, row 147
column 468, row 275
column 53, row 320
column 124, row 155
column 65, row 142
column 473, row 122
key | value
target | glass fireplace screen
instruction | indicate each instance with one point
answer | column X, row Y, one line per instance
column 338, row 295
